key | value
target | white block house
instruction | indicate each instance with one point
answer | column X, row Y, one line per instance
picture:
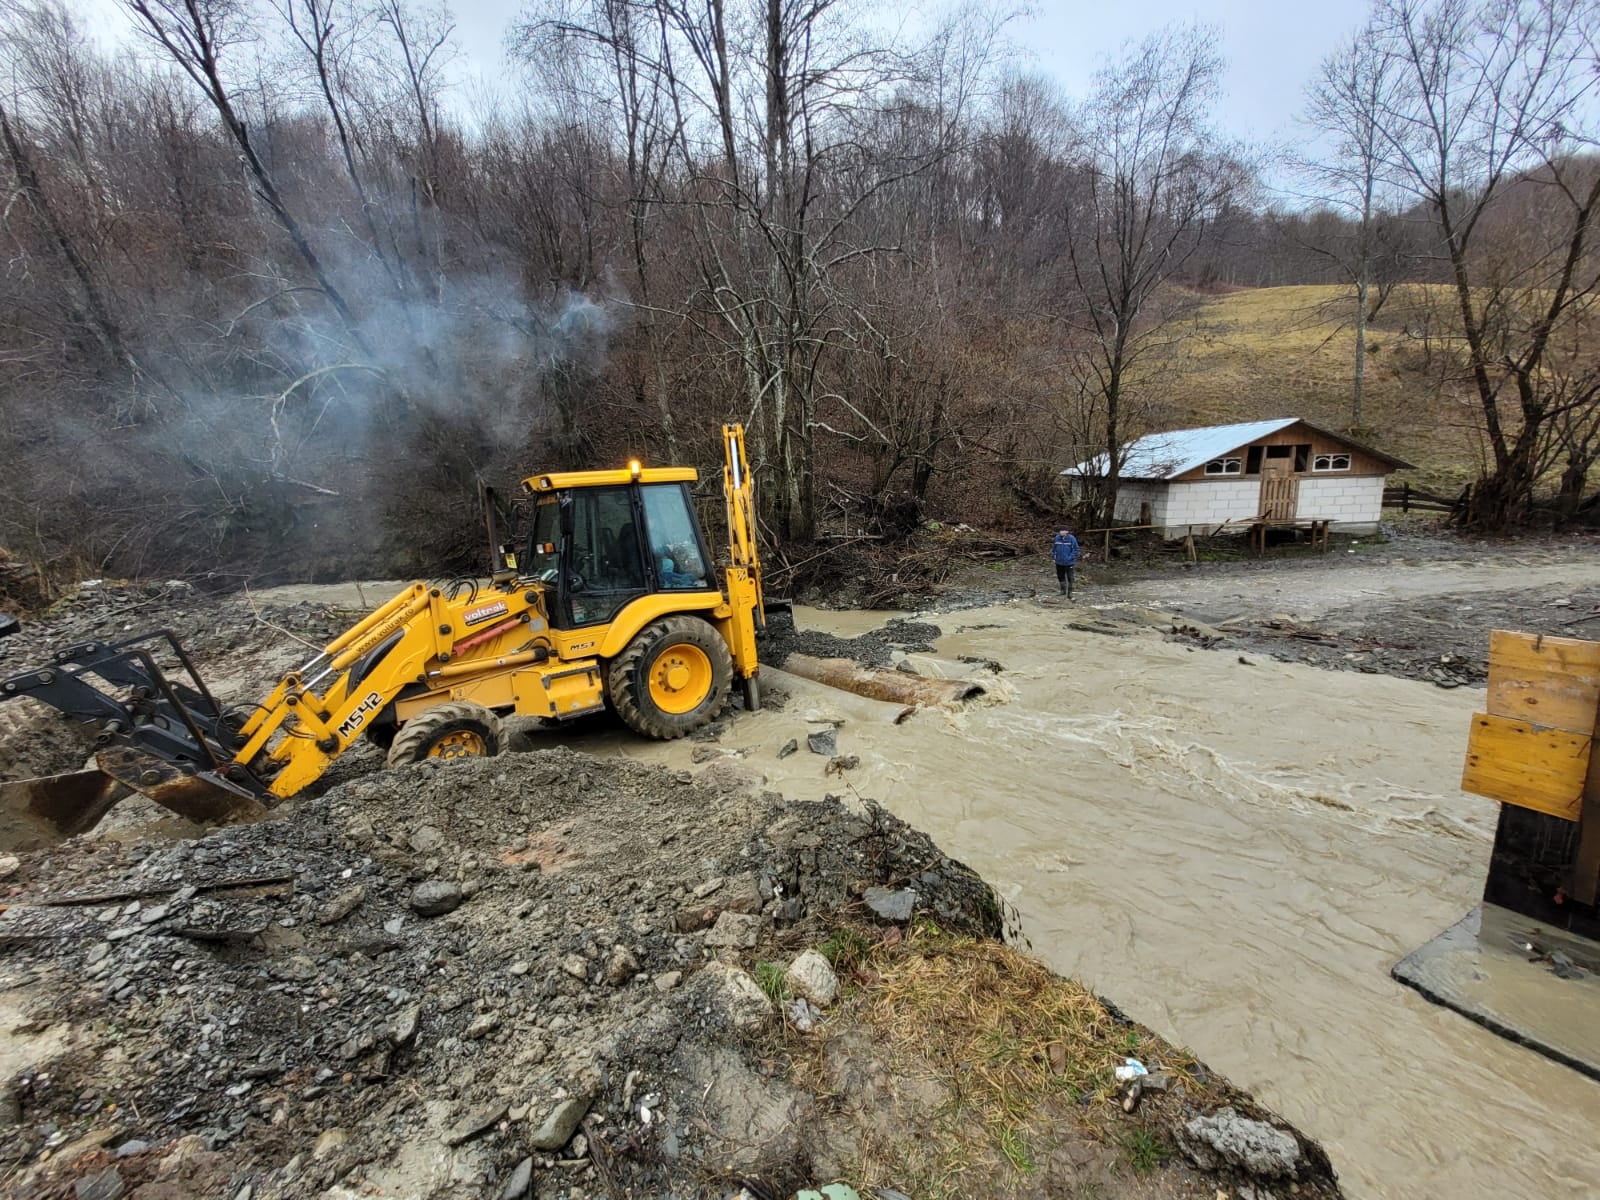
column 1281, row 472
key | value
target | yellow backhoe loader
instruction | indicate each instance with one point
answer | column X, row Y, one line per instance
column 611, row 601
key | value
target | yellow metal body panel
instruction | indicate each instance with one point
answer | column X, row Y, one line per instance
column 560, row 690
column 611, row 639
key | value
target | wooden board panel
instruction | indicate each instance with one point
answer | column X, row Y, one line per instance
column 1280, row 497
column 1299, row 434
column 1519, row 763
column 1548, row 681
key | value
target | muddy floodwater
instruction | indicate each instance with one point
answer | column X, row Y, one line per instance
column 1236, row 854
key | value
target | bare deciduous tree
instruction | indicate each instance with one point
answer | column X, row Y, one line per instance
column 1352, row 86
column 1490, row 111
column 194, row 34
column 1151, row 175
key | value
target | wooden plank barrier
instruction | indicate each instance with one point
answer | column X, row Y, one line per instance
column 1533, row 747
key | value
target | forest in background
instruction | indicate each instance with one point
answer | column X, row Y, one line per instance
column 274, row 302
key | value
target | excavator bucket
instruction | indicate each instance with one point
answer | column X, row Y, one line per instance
column 35, row 813
column 203, row 797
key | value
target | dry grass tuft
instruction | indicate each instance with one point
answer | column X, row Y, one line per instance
column 1025, row 1059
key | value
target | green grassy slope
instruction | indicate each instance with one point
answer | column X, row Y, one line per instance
column 1289, row 351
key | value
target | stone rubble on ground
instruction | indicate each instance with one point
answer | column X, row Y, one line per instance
column 891, row 904
column 1227, row 1139
column 416, row 1054
column 811, row 975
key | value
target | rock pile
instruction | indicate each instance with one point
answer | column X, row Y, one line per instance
column 465, row 980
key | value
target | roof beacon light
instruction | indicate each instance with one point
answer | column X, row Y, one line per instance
column 634, row 466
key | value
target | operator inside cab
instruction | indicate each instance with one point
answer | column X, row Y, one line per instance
column 602, row 563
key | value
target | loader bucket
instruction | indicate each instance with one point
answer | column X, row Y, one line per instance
column 35, row 813
column 161, row 735
column 203, row 797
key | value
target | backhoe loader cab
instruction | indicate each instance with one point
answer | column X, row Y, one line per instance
column 612, row 601
column 599, row 546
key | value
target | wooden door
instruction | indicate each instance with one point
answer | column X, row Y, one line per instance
column 1280, row 490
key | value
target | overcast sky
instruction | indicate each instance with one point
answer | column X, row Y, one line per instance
column 1272, row 46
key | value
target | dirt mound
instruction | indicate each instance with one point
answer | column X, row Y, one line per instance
column 874, row 649
column 267, row 984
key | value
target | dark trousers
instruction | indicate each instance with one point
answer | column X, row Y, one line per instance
column 1064, row 577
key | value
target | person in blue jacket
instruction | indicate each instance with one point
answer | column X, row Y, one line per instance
column 1065, row 553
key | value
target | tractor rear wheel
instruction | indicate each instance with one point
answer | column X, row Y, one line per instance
column 672, row 679
column 460, row 729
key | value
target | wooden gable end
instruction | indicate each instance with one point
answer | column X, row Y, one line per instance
column 1298, row 434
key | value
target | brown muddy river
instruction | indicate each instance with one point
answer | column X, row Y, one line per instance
column 1234, row 854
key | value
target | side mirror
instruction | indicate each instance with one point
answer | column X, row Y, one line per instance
column 9, row 625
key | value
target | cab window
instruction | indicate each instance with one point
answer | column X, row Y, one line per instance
column 544, row 543
column 675, row 549
column 606, row 568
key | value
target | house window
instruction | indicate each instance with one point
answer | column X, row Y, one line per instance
column 1224, row 466
column 1331, row 462
column 1252, row 460
column 1302, row 456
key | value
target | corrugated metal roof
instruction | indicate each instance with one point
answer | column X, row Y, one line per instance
column 1168, row 455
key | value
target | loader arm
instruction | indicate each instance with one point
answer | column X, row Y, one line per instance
column 171, row 739
column 740, row 494
column 413, row 639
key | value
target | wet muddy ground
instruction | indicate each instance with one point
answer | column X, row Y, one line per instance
column 1193, row 814
column 408, row 981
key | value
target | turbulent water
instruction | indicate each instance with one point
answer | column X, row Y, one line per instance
column 1236, row 855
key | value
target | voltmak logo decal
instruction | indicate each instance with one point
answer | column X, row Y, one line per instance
column 358, row 717
column 477, row 616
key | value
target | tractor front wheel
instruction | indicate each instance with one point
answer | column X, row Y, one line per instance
column 672, row 679
column 459, row 729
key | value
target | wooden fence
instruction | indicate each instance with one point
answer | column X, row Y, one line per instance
column 1406, row 498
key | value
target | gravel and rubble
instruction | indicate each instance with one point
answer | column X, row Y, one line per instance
column 876, row 648
column 539, row 974
column 1441, row 639
column 438, row 959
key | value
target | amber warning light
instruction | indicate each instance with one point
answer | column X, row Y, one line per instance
column 635, row 467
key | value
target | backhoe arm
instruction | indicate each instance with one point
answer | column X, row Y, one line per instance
column 740, row 493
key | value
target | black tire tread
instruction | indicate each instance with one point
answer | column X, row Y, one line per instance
column 417, row 734
column 629, row 692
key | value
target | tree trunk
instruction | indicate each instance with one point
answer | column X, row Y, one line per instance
column 1361, row 351
column 1569, row 496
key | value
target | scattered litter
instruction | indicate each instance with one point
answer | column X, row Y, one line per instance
column 1131, row 1068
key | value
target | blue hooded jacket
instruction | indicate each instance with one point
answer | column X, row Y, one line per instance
column 1065, row 550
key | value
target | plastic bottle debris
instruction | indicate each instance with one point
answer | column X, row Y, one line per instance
column 1131, row 1068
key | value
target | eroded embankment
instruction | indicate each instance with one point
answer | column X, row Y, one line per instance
column 446, row 980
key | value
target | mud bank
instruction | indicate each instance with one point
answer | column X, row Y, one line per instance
column 538, row 975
